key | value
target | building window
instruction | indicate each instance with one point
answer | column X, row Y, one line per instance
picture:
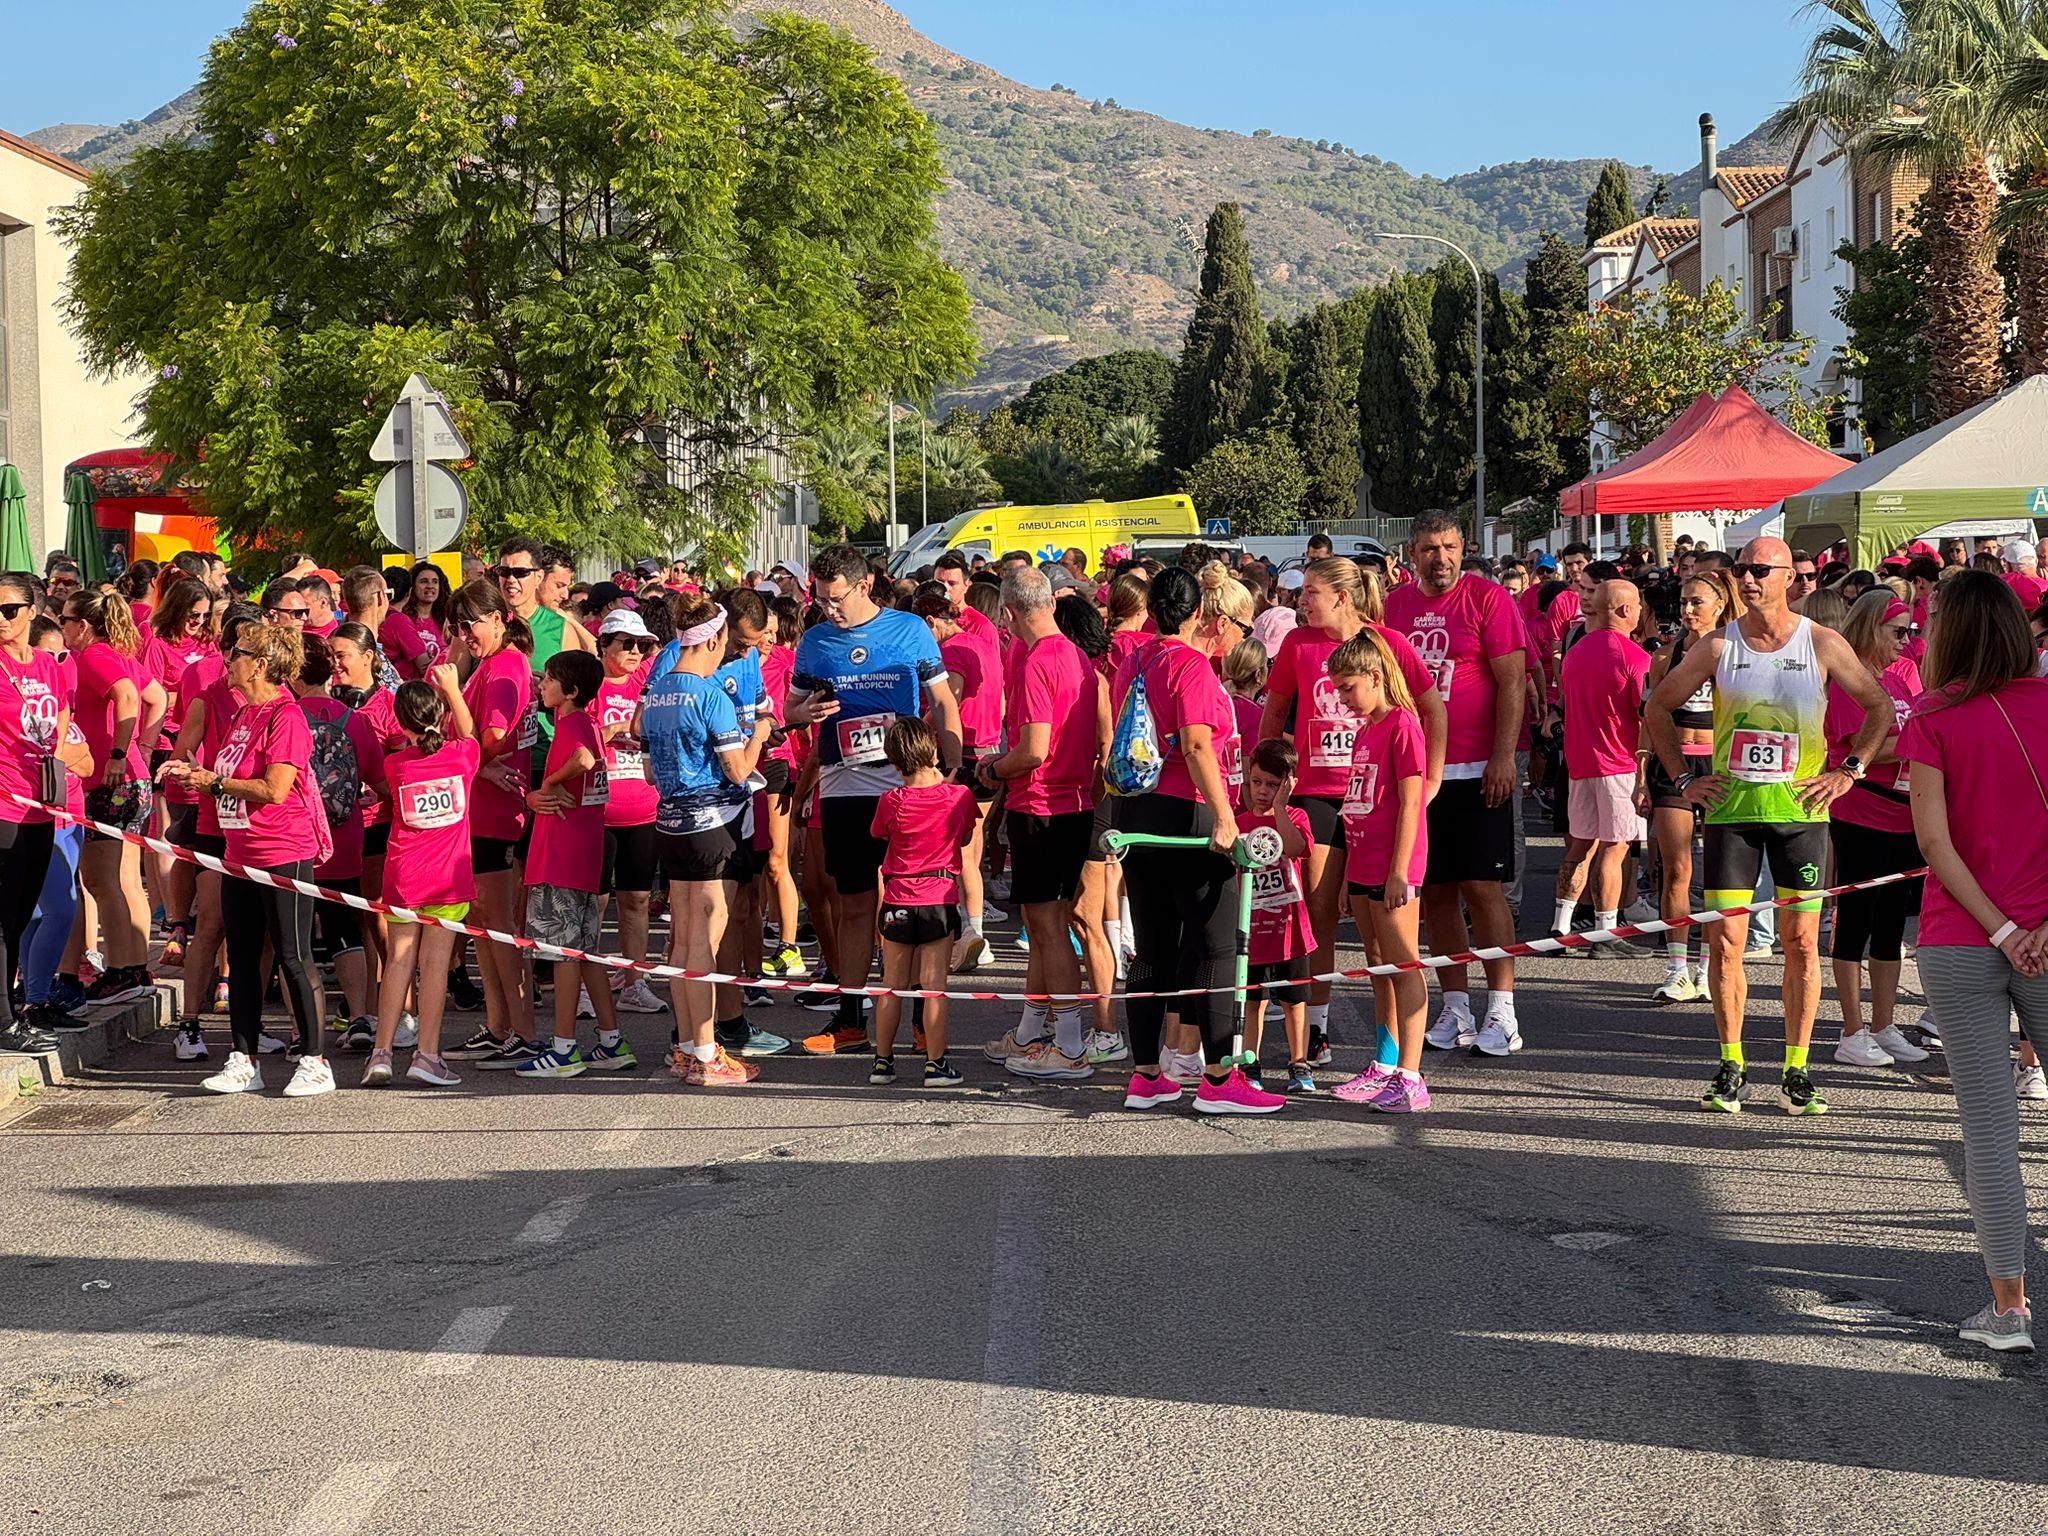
column 1805, row 249
column 1830, row 251
column 1878, row 233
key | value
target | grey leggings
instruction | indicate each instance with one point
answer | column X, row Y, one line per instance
column 1974, row 993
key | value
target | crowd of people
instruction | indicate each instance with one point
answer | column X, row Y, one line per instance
column 836, row 764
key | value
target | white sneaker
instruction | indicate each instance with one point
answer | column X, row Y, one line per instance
column 1453, row 1030
column 584, row 1008
column 191, row 1043
column 1897, row 1046
column 640, row 998
column 1101, row 1047
column 408, row 1033
column 1678, row 986
column 2029, row 1083
column 1640, row 911
column 1500, row 1035
column 997, row 889
column 971, row 952
column 314, row 1076
column 240, row 1075
column 1182, row 1069
column 1862, row 1050
column 268, row 1044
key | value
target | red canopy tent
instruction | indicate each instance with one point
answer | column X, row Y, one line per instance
column 1725, row 455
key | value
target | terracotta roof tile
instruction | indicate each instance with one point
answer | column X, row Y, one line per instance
column 1744, row 184
column 1667, row 235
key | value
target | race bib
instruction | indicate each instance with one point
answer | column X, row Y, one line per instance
column 433, row 803
column 1904, row 782
column 1762, row 757
column 597, row 787
column 234, row 814
column 529, row 728
column 860, row 741
column 233, row 811
column 1361, row 795
column 1444, row 672
column 1272, row 890
column 1332, row 745
column 629, row 763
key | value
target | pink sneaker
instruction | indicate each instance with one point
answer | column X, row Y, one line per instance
column 1145, row 1092
column 1236, row 1095
column 1360, row 1089
column 1401, row 1096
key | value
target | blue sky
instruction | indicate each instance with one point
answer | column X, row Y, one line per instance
column 1442, row 87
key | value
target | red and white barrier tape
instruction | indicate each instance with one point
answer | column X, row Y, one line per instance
column 664, row 972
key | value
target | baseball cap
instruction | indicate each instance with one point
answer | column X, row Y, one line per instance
column 1545, row 563
column 1291, row 580
column 1062, row 579
column 624, row 621
column 648, row 566
column 767, row 589
column 2019, row 552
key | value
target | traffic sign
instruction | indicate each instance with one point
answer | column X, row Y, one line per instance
column 1216, row 528
column 447, row 508
column 437, row 428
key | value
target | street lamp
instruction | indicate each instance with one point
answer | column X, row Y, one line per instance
column 1478, row 372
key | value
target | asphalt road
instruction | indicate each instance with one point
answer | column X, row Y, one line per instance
column 1562, row 1300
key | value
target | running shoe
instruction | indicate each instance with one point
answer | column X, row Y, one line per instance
column 611, row 1058
column 479, row 1045
column 1863, row 1049
column 1923, row 1034
column 638, row 997
column 883, row 1072
column 2029, row 1083
column 1301, row 1077
column 1619, row 949
column 268, row 1044
column 513, row 1054
column 1318, row 1046
column 1796, row 1094
column 1235, row 1095
column 1758, row 949
column 240, row 1075
column 190, row 1044
column 552, row 1063
column 1023, row 940
column 1574, row 952
column 359, row 1034
column 407, row 1035
column 753, row 1042
column 463, row 992
column 970, row 953
column 174, row 947
column 313, row 1077
column 377, row 1070
column 27, row 1041
column 220, row 997
column 1641, row 910
column 1400, row 1095
column 721, row 1071
column 1455, row 1029
column 789, row 961
column 122, row 984
column 1005, row 1046
column 1360, row 1089
column 1184, row 1068
column 997, row 888
column 1103, row 1047
column 1146, row 1091
column 68, row 995
column 846, row 1037
column 431, row 1070
column 50, row 1019
column 1897, row 1046
column 1046, row 1061
column 757, row 997
column 1724, row 1093
column 943, row 1074
column 1678, row 985
column 917, row 1039
column 2002, row 1331
column 1500, row 1035
column 585, row 1008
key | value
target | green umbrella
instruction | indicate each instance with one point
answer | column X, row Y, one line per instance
column 16, row 553
column 81, row 533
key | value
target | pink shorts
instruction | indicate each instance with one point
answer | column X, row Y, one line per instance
column 1604, row 810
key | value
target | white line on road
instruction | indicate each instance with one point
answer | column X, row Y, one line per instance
column 341, row 1504
column 1002, row 1468
column 463, row 1344
column 624, row 1134
column 552, row 1220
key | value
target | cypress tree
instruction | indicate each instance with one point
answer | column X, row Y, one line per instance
column 1450, row 336
column 1325, row 420
column 1611, row 206
column 1555, row 285
column 1223, row 383
column 1396, row 399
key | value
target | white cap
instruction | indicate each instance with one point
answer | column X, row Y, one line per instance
column 2019, row 552
column 624, row 621
column 768, row 589
column 1291, row 580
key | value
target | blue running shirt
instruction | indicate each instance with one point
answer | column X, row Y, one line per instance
column 878, row 672
column 685, row 722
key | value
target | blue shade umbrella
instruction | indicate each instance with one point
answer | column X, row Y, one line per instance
column 81, row 534
column 15, row 551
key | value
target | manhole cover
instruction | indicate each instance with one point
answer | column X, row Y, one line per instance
column 74, row 1117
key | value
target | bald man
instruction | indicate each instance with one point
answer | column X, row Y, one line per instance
column 1767, row 796
column 1602, row 678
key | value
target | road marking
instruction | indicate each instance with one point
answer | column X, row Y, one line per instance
column 343, row 1503
column 552, row 1220
column 463, row 1344
column 1002, row 1467
column 624, row 1134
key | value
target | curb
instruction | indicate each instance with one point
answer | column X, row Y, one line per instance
column 107, row 1026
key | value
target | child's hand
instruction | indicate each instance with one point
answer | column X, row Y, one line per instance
column 1285, row 794
column 1399, row 893
column 443, row 677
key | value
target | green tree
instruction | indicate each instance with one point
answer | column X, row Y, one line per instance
column 1131, row 442
column 959, row 473
column 846, row 466
column 1396, row 399
column 1554, row 288
column 1612, row 206
column 1077, row 404
column 604, row 230
column 1886, row 312
column 1323, row 417
column 1256, row 480
column 1222, row 385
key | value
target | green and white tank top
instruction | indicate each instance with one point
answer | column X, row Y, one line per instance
column 1769, row 709
column 548, row 630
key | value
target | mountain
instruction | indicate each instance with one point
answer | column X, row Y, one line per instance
column 1074, row 222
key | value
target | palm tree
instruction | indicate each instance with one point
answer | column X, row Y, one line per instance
column 959, row 471
column 1131, row 442
column 1061, row 474
column 1922, row 94
column 846, row 468
column 2022, row 101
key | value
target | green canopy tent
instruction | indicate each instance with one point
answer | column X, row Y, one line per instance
column 17, row 553
column 81, row 533
column 1988, row 464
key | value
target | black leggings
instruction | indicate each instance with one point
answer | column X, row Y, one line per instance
column 1184, row 910
column 24, row 861
column 249, row 914
column 1873, row 920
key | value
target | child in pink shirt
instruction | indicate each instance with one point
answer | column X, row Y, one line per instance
column 1282, row 941
column 926, row 824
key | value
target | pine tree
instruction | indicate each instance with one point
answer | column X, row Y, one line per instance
column 1223, row 384
column 1611, row 206
column 1396, row 398
column 1325, row 419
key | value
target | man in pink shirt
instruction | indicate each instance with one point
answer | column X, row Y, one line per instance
column 1474, row 644
column 2022, row 574
column 1603, row 704
column 1564, row 612
column 979, row 717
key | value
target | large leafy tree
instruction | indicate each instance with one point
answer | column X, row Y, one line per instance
column 1223, row 383
column 1397, row 399
column 604, row 229
column 1255, row 479
column 1323, row 418
column 1612, row 205
column 1077, row 404
column 1886, row 313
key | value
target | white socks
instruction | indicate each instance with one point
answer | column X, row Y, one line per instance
column 1032, row 1025
column 1069, row 1029
column 1456, row 1003
column 1561, row 920
column 1606, row 920
column 1319, row 1017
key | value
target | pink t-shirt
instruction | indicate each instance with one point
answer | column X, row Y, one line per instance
column 382, row 717
column 1183, row 690
column 500, row 698
column 633, row 797
column 223, row 702
column 1250, row 713
column 31, row 699
column 1280, row 924
column 925, row 828
column 1995, row 815
column 1563, row 614
column 432, row 648
column 406, row 648
column 1865, row 806
column 568, row 845
column 346, row 862
column 428, row 861
column 1050, row 683
column 265, row 836
column 1122, row 646
column 1324, row 725
column 981, row 705
column 1603, row 704
column 1458, row 635
column 778, row 665
column 168, row 661
column 1386, row 751
column 100, row 667
column 2028, row 589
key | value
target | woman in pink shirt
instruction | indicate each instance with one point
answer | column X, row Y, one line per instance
column 779, row 768
column 1978, row 749
column 974, row 670
column 184, row 634
column 271, row 817
column 631, row 865
column 426, row 609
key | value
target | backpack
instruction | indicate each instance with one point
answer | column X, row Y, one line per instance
column 1136, row 759
column 332, row 762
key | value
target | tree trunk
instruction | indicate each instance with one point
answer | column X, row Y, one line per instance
column 2030, row 254
column 1965, row 298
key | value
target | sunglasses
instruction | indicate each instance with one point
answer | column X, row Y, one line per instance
column 245, row 655
column 12, row 611
column 632, row 644
column 1760, row 572
column 63, row 584
column 518, row 572
column 476, row 623
column 301, row 614
column 1806, row 576
column 1898, row 631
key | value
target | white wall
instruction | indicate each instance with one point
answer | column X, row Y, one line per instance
column 1817, row 276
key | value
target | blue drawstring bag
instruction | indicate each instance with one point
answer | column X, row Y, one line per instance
column 1136, row 759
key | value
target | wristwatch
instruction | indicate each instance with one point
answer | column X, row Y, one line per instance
column 1853, row 766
